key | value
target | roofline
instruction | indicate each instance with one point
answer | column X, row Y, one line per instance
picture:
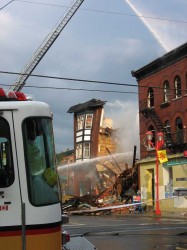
column 162, row 62
column 89, row 105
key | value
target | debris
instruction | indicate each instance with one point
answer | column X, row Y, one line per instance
column 121, row 190
column 115, row 184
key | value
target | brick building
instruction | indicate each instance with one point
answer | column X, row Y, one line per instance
column 68, row 157
column 163, row 108
column 92, row 138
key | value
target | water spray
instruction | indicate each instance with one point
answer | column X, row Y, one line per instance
column 149, row 27
column 87, row 162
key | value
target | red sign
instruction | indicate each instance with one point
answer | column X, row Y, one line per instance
column 3, row 207
column 185, row 153
column 136, row 198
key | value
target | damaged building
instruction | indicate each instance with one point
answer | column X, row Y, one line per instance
column 98, row 168
column 93, row 133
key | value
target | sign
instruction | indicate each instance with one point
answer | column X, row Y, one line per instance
column 162, row 157
column 180, row 192
column 181, row 179
column 136, row 198
column 175, row 162
column 3, row 207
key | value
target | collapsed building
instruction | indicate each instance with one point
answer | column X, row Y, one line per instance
column 113, row 188
column 98, row 169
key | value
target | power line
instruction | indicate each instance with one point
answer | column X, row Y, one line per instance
column 82, row 89
column 78, row 80
column 70, row 79
column 6, row 4
column 75, row 89
column 108, row 12
column 86, row 81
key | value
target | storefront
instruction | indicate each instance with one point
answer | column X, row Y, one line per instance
column 172, row 182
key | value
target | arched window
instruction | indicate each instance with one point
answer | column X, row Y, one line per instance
column 177, row 86
column 179, row 130
column 167, row 130
column 166, row 91
column 167, row 127
column 150, row 98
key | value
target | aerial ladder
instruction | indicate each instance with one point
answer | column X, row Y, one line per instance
column 44, row 47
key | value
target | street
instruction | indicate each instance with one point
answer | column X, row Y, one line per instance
column 130, row 232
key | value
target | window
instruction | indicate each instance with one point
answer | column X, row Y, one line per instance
column 40, row 161
column 83, row 150
column 167, row 130
column 80, row 122
column 166, row 91
column 88, row 121
column 86, row 150
column 177, row 86
column 167, row 127
column 150, row 98
column 179, row 130
column 6, row 162
column 79, row 151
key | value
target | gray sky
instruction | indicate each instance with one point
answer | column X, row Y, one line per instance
column 104, row 41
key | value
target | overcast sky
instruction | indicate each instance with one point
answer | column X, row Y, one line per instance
column 104, row 41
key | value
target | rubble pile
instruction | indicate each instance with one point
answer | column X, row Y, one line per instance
column 120, row 192
column 125, row 210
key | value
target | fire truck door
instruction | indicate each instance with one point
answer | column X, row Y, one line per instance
column 10, row 193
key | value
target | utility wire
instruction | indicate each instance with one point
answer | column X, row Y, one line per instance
column 6, row 4
column 86, row 90
column 108, row 12
column 69, row 79
column 75, row 89
column 76, row 79
column 87, row 81
column 80, row 89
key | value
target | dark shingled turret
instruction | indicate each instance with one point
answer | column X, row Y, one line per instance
column 92, row 104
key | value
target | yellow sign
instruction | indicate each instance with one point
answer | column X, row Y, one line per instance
column 162, row 157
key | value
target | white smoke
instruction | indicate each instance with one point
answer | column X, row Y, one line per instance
column 126, row 119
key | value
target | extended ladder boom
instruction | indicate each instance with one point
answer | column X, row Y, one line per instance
column 44, row 47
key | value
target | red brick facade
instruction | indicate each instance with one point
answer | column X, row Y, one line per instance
column 163, row 99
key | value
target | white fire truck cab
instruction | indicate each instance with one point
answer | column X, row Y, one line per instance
column 30, row 210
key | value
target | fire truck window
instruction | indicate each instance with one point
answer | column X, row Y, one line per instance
column 6, row 164
column 40, row 156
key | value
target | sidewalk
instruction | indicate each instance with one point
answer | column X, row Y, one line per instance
column 174, row 215
column 165, row 214
column 182, row 215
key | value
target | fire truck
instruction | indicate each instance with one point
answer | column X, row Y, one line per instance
column 30, row 210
